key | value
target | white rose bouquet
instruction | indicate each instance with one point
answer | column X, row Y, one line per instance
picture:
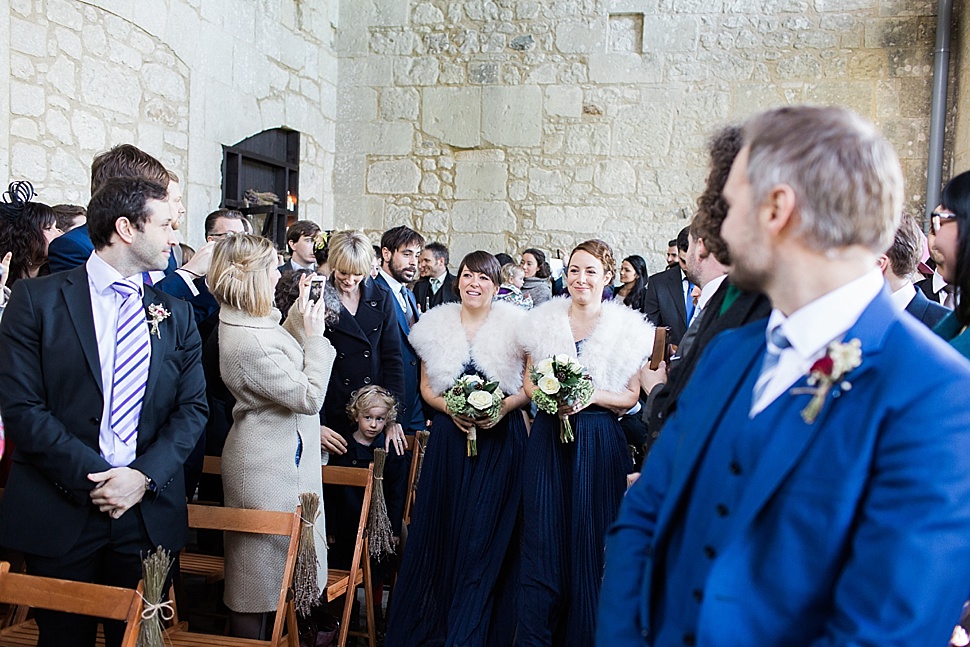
column 473, row 397
column 561, row 380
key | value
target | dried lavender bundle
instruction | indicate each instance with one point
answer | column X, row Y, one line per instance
column 154, row 572
column 305, row 586
column 379, row 524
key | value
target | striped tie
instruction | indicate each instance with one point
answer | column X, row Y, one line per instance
column 131, row 363
column 777, row 344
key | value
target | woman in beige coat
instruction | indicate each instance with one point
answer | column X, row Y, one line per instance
column 278, row 375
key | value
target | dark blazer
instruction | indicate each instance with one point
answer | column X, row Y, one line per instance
column 665, row 303
column 70, row 250
column 52, row 405
column 929, row 312
column 288, row 267
column 875, row 490
column 747, row 308
column 411, row 413
column 926, row 287
column 427, row 299
column 368, row 352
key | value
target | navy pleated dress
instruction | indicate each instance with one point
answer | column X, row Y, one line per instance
column 571, row 496
column 460, row 571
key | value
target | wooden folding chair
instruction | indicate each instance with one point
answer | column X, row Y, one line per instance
column 82, row 598
column 210, row 567
column 262, row 522
column 346, row 582
column 416, row 445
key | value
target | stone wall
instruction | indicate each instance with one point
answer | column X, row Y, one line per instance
column 179, row 79
column 509, row 123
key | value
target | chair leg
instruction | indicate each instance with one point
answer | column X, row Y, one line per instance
column 369, row 600
column 345, row 618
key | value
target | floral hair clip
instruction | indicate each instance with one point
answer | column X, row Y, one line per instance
column 320, row 241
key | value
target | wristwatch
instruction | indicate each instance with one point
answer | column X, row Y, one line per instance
column 150, row 486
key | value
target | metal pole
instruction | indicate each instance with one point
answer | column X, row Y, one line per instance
column 941, row 66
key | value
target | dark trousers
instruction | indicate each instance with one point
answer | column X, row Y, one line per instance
column 109, row 551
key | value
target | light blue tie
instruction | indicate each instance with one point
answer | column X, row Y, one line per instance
column 777, row 343
column 132, row 344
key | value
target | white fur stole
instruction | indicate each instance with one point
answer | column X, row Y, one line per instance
column 616, row 349
column 440, row 341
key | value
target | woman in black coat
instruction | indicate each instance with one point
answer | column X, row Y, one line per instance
column 366, row 337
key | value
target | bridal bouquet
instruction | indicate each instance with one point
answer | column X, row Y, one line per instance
column 473, row 397
column 561, row 380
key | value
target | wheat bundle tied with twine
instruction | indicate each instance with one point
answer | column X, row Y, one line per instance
column 379, row 524
column 154, row 572
column 306, row 589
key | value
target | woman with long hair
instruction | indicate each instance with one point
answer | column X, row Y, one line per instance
column 26, row 231
column 459, row 572
column 572, row 490
column 278, row 375
column 537, row 273
column 633, row 282
column 951, row 224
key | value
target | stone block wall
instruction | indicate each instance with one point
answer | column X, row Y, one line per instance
column 959, row 96
column 179, row 79
column 502, row 124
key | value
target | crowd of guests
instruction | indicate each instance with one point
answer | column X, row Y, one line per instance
column 342, row 347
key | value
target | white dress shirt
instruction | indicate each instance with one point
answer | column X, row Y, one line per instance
column 396, row 290
column 706, row 293
column 105, row 305
column 811, row 328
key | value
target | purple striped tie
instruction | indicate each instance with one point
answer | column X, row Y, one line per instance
column 131, row 363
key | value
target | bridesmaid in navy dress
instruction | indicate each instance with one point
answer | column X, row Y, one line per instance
column 459, row 573
column 572, row 491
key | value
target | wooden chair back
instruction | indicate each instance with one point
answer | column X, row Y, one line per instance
column 346, row 582
column 415, row 445
column 82, row 598
column 261, row 522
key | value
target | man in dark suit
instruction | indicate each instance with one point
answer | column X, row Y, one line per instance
column 898, row 265
column 300, row 238
column 668, row 299
column 73, row 248
column 104, row 404
column 722, row 306
column 400, row 249
column 807, row 485
column 436, row 283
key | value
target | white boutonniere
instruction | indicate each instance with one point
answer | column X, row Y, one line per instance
column 156, row 315
column 840, row 358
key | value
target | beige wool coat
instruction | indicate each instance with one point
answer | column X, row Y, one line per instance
column 279, row 377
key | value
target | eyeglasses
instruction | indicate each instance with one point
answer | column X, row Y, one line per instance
column 937, row 218
column 222, row 235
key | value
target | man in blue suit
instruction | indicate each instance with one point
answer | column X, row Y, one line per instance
column 898, row 265
column 400, row 248
column 807, row 490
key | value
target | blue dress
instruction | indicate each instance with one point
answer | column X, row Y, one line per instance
column 571, row 496
column 459, row 574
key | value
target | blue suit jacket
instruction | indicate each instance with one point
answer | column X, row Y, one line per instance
column 411, row 415
column 204, row 305
column 70, row 250
column 852, row 530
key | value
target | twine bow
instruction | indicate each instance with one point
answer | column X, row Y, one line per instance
column 165, row 609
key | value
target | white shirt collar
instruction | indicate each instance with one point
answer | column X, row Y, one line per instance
column 811, row 328
column 901, row 297
column 708, row 291
column 938, row 282
column 393, row 283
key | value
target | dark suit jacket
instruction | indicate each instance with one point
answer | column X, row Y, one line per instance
column 747, row 308
column 52, row 405
column 411, row 414
column 73, row 248
column 368, row 352
column 665, row 303
column 929, row 312
column 427, row 299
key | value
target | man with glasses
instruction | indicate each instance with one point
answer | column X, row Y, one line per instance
column 935, row 286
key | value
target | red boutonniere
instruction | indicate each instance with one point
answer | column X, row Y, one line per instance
column 839, row 359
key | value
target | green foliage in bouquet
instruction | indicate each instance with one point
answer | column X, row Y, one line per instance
column 473, row 397
column 560, row 380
